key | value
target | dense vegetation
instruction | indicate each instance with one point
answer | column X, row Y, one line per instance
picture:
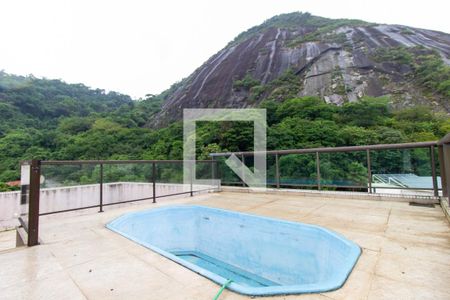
column 46, row 119
column 286, row 86
column 317, row 25
column 36, row 123
column 427, row 68
column 28, row 102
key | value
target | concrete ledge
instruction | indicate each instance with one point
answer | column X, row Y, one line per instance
column 79, row 196
column 339, row 195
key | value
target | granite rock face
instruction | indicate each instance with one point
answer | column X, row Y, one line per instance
column 333, row 62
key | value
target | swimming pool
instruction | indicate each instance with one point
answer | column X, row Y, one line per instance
column 262, row 256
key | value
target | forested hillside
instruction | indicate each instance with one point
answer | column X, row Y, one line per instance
column 110, row 126
column 42, row 118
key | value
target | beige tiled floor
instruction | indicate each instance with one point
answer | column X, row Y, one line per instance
column 7, row 239
column 406, row 252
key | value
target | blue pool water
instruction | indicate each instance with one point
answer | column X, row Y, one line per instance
column 262, row 256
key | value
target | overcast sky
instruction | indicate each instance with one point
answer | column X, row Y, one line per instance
column 141, row 47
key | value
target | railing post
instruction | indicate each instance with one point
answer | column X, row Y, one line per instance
column 433, row 171
column 446, row 149
column 33, row 206
column 277, row 171
column 442, row 169
column 216, row 174
column 101, row 188
column 191, row 172
column 213, row 168
column 214, row 171
column 369, row 171
column 444, row 160
column 319, row 187
column 243, row 164
column 154, row 181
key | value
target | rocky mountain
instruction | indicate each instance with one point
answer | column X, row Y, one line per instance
column 299, row 54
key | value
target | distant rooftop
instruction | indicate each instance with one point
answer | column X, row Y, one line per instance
column 407, row 180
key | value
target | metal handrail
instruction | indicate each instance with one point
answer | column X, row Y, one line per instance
column 105, row 162
column 443, row 147
column 334, row 149
column 367, row 148
column 34, row 194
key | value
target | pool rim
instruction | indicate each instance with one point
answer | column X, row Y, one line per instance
column 324, row 286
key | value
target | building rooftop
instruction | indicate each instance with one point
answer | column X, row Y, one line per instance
column 405, row 251
column 407, row 180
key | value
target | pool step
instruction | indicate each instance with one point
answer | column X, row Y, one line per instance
column 223, row 269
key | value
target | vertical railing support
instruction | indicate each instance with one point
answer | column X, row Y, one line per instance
column 433, row 171
column 213, row 168
column 191, row 178
column 277, row 171
column 369, row 171
column 442, row 169
column 154, row 181
column 33, row 205
column 215, row 171
column 101, row 188
column 446, row 149
column 444, row 162
column 217, row 175
column 319, row 187
column 243, row 164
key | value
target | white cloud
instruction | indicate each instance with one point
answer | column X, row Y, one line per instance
column 139, row 47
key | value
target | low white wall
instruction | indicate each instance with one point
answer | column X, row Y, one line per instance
column 9, row 209
column 62, row 198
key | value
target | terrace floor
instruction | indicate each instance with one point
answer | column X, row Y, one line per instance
column 406, row 252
